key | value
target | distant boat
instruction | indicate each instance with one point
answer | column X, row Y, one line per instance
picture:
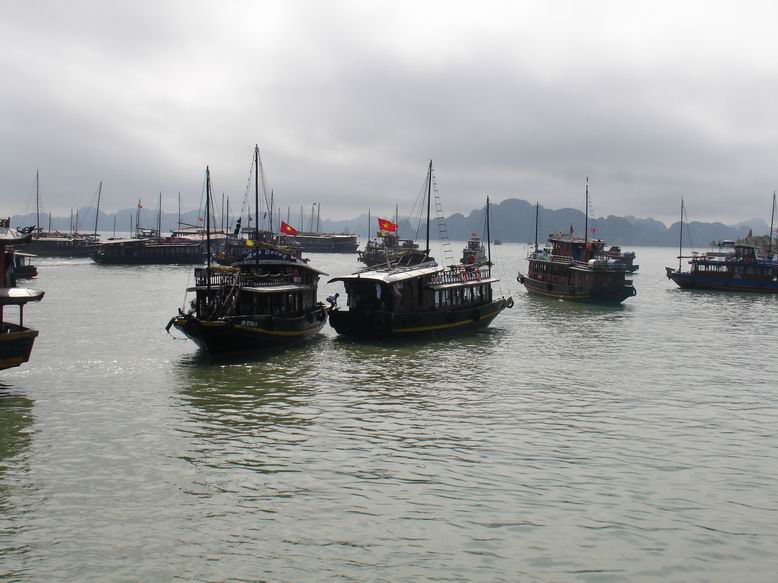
column 16, row 340
column 736, row 267
column 474, row 251
column 388, row 248
column 55, row 244
column 575, row 268
column 147, row 247
column 412, row 297
column 626, row 257
column 498, row 241
column 23, row 267
column 265, row 300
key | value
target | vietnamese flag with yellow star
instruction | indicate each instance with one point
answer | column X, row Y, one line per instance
column 287, row 229
column 384, row 225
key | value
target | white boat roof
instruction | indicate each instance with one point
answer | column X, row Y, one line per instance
column 470, row 282
column 9, row 236
column 393, row 275
column 19, row 295
column 269, row 289
column 298, row 264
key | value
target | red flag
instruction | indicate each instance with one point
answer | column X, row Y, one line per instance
column 288, row 229
column 384, row 225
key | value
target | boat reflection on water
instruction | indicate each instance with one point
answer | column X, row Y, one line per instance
column 16, row 421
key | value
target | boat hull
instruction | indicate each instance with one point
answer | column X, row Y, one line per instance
column 730, row 284
column 149, row 259
column 15, row 345
column 250, row 333
column 43, row 249
column 605, row 295
column 380, row 324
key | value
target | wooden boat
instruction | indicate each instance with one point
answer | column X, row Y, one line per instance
column 474, row 251
column 148, row 247
column 576, row 268
column 387, row 248
column 413, row 298
column 740, row 270
column 55, row 244
column 626, row 257
column 266, row 300
column 16, row 340
column 314, row 241
column 23, row 267
column 152, row 251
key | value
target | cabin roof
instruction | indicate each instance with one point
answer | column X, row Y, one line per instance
column 9, row 236
column 18, row 295
column 393, row 275
column 297, row 264
column 468, row 283
column 267, row 289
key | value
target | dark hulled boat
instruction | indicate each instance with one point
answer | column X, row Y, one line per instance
column 576, row 268
column 740, row 268
column 23, row 267
column 411, row 298
column 474, row 251
column 388, row 249
column 150, row 251
column 626, row 257
column 16, row 340
column 326, row 242
column 266, row 300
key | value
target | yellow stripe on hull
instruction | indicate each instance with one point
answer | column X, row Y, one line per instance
column 211, row 324
column 443, row 326
column 558, row 295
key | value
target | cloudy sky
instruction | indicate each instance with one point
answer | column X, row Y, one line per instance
column 348, row 100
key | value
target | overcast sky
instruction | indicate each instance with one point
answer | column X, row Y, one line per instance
column 349, row 100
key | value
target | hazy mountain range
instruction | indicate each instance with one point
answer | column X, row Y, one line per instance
column 512, row 220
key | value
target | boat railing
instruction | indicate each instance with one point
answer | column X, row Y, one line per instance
column 461, row 276
column 231, row 278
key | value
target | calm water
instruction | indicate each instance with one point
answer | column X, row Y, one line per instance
column 566, row 443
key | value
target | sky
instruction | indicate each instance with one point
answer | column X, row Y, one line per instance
column 349, row 100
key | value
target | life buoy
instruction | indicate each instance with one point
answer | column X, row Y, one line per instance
column 471, row 258
column 478, row 275
column 509, row 303
column 463, row 276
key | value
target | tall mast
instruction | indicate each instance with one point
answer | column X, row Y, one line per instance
column 368, row 224
column 396, row 213
column 37, row 202
column 586, row 213
column 208, row 227
column 772, row 217
column 680, row 241
column 49, row 222
column 429, row 202
column 114, row 226
column 488, row 235
column 137, row 216
column 318, row 216
column 289, row 214
column 97, row 212
column 159, row 217
column 313, row 212
column 71, row 222
column 76, row 230
column 179, row 211
column 222, row 212
column 537, row 214
column 256, row 201
column 272, row 205
column 228, row 212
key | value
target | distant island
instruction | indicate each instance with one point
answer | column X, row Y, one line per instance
column 513, row 220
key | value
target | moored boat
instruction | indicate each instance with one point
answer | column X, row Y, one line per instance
column 575, row 268
column 411, row 298
column 16, row 339
column 474, row 251
column 739, row 268
column 265, row 300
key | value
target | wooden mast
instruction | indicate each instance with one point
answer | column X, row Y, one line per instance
column 208, row 228
column 537, row 214
column 586, row 213
column 159, row 218
column 97, row 212
column 680, row 242
column 256, row 201
column 429, row 203
column 772, row 218
column 488, row 236
column 37, row 202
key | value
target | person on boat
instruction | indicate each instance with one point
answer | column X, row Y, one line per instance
column 333, row 301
